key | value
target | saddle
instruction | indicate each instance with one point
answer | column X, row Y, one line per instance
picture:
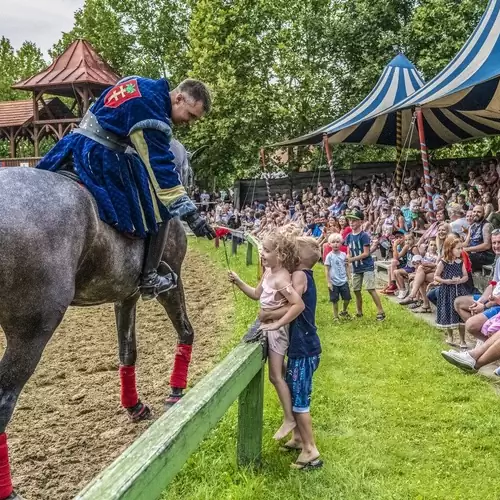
column 68, row 170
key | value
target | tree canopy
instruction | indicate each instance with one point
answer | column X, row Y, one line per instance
column 277, row 68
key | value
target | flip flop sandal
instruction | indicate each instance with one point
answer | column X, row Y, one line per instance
column 305, row 466
column 408, row 301
column 359, row 315
column 423, row 310
column 380, row 316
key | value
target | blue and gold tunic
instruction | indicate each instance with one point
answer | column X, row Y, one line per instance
column 137, row 188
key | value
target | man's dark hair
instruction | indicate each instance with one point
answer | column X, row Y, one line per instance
column 198, row 91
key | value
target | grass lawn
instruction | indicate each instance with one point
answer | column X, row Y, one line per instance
column 393, row 420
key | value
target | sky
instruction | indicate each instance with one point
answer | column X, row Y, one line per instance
column 39, row 21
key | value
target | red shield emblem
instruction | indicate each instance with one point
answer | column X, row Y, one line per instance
column 121, row 93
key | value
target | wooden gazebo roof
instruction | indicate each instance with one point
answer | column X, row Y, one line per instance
column 20, row 113
column 79, row 65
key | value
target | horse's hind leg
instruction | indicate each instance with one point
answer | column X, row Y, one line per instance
column 27, row 336
column 175, row 304
column 125, row 325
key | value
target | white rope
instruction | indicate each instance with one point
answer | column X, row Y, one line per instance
column 411, row 128
column 318, row 167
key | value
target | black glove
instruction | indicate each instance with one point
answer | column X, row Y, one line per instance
column 254, row 332
column 200, row 226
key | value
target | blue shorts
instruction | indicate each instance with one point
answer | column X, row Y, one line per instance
column 340, row 291
column 491, row 311
column 299, row 374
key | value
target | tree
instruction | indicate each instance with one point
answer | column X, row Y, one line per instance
column 438, row 30
column 277, row 68
column 370, row 34
column 146, row 37
column 269, row 66
column 98, row 23
column 16, row 66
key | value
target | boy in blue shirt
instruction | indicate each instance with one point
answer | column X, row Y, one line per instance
column 303, row 355
column 363, row 267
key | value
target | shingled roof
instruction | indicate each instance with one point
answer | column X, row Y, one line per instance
column 79, row 64
column 18, row 113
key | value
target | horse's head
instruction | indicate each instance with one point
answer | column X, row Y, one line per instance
column 182, row 164
column 183, row 161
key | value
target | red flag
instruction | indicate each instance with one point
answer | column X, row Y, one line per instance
column 220, row 232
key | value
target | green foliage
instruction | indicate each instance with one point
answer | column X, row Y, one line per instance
column 369, row 36
column 135, row 37
column 437, row 31
column 16, row 66
column 269, row 65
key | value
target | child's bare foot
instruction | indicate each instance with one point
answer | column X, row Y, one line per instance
column 285, row 429
column 293, row 444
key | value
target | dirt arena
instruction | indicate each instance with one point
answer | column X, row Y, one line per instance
column 68, row 424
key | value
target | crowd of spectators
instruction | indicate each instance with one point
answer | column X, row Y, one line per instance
column 433, row 241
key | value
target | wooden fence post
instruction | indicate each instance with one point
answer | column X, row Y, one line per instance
column 249, row 253
column 145, row 468
column 250, row 421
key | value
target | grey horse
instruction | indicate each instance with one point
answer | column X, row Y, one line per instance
column 56, row 252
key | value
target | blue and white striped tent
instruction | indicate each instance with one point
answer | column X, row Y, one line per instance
column 463, row 101
column 398, row 80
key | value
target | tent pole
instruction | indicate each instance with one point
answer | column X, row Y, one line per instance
column 399, row 148
column 266, row 177
column 329, row 159
column 425, row 159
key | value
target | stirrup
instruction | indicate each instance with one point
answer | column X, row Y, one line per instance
column 155, row 284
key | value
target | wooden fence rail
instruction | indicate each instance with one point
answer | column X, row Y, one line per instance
column 144, row 470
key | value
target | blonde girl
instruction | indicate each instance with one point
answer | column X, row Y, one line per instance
column 280, row 258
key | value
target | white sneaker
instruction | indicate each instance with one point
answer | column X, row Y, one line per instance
column 461, row 359
column 402, row 294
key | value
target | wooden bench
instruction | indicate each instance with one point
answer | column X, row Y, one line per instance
column 481, row 279
column 382, row 272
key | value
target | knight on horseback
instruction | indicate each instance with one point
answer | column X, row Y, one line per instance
column 121, row 153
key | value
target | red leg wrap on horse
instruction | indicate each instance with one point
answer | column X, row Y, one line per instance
column 181, row 365
column 5, row 479
column 129, row 395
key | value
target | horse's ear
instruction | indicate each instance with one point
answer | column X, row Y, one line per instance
column 192, row 156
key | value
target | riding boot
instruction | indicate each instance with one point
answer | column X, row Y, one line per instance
column 152, row 283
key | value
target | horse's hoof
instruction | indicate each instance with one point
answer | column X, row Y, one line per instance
column 139, row 412
column 14, row 496
column 172, row 400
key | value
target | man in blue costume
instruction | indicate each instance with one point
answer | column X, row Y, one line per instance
column 121, row 152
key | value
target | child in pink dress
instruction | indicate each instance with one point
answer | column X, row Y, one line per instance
column 280, row 258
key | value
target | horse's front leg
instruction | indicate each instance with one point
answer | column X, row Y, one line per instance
column 175, row 304
column 125, row 325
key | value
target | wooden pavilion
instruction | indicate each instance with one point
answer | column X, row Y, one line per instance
column 78, row 75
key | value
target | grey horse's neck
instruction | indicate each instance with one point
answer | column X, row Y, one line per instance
column 181, row 161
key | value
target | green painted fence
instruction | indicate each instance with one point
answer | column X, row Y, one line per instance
column 144, row 470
